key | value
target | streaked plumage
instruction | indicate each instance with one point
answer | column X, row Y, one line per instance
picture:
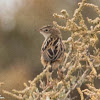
column 52, row 50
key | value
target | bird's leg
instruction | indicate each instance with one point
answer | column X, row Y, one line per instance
column 49, row 77
column 60, row 73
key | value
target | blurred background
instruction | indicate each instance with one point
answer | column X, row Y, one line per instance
column 20, row 40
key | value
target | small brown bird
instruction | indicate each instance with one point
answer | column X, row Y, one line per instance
column 52, row 50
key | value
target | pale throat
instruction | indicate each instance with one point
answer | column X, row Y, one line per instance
column 46, row 35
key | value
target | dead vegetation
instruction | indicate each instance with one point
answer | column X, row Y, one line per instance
column 80, row 66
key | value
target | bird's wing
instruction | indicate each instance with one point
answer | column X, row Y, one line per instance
column 52, row 49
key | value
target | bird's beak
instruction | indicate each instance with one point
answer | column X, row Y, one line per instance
column 40, row 30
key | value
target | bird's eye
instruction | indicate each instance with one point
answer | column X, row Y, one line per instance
column 46, row 30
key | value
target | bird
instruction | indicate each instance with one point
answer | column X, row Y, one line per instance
column 52, row 49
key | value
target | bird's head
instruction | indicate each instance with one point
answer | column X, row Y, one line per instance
column 48, row 30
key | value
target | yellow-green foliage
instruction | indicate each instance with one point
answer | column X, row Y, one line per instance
column 80, row 66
